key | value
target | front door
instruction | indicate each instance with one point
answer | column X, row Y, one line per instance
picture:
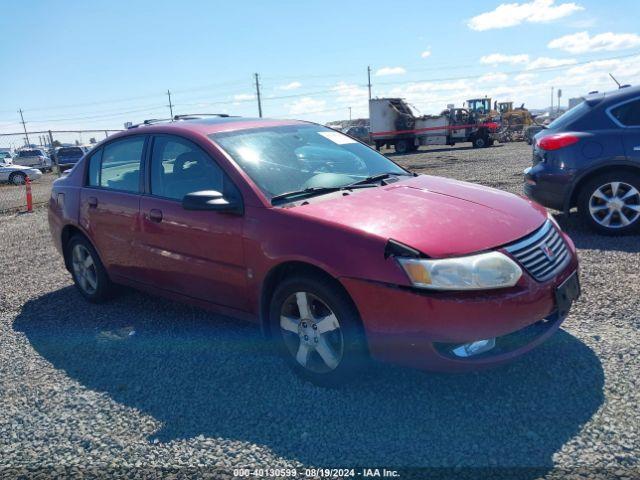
column 195, row 253
column 110, row 203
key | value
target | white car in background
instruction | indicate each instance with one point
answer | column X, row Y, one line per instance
column 17, row 174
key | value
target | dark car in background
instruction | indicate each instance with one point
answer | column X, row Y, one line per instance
column 589, row 158
column 67, row 157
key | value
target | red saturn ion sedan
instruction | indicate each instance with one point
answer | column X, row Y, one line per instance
column 338, row 252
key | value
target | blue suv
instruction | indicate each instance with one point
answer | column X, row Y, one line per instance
column 589, row 158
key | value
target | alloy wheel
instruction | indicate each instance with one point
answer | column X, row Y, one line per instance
column 84, row 269
column 311, row 332
column 615, row 205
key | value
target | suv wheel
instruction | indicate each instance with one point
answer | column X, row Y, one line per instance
column 89, row 275
column 317, row 329
column 610, row 203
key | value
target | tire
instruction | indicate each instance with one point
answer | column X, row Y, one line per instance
column 302, row 307
column 17, row 178
column 490, row 142
column 91, row 280
column 610, row 212
column 479, row 142
column 402, row 146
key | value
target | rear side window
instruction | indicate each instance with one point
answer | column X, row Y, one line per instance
column 117, row 165
column 71, row 151
column 628, row 114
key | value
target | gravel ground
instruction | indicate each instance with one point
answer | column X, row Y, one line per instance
column 14, row 198
column 141, row 383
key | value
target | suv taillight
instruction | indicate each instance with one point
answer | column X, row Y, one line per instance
column 557, row 141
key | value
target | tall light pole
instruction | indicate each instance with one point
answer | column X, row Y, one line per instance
column 349, row 114
column 369, row 80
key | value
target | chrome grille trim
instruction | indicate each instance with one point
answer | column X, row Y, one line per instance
column 529, row 252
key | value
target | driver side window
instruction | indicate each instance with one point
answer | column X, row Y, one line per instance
column 179, row 167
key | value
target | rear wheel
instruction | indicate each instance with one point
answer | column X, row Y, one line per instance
column 317, row 329
column 89, row 275
column 479, row 142
column 610, row 203
column 402, row 146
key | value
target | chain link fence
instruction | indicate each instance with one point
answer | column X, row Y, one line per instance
column 20, row 151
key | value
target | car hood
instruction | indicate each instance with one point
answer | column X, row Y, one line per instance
column 437, row 216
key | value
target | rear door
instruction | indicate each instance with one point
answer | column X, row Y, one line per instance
column 627, row 116
column 195, row 253
column 110, row 202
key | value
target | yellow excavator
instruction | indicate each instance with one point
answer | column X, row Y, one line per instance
column 513, row 118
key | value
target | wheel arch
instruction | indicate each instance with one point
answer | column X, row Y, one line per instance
column 68, row 232
column 284, row 270
column 572, row 199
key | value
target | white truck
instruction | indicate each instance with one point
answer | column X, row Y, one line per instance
column 393, row 122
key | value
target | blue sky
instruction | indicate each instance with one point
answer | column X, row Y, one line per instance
column 73, row 64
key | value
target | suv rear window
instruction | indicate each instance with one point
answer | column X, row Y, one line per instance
column 628, row 114
column 570, row 116
column 71, row 151
column 29, row 153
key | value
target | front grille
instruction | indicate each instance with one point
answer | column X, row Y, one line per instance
column 543, row 253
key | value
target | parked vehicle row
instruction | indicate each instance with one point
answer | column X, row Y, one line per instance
column 338, row 252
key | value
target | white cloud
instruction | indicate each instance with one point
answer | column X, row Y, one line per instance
column 581, row 42
column 525, row 78
column 243, row 97
column 390, row 71
column 511, row 14
column 306, row 105
column 546, row 62
column 426, row 53
column 349, row 93
column 496, row 58
column 494, row 77
column 290, row 86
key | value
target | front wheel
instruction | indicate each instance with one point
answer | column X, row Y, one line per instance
column 610, row 203
column 317, row 329
column 479, row 142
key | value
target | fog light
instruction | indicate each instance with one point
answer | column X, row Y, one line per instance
column 474, row 348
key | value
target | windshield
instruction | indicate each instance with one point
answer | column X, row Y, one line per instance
column 296, row 157
column 569, row 116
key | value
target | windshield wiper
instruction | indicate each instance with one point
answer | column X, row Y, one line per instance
column 310, row 191
column 377, row 178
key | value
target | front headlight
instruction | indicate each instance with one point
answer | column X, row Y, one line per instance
column 475, row 272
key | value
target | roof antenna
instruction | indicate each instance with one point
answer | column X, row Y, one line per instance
column 614, row 79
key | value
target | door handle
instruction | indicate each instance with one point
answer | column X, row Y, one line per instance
column 155, row 215
column 93, row 202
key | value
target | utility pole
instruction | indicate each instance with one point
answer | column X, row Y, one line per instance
column 170, row 105
column 551, row 100
column 369, row 80
column 349, row 114
column 258, row 95
column 24, row 125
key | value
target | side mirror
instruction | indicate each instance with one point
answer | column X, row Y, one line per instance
column 212, row 200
